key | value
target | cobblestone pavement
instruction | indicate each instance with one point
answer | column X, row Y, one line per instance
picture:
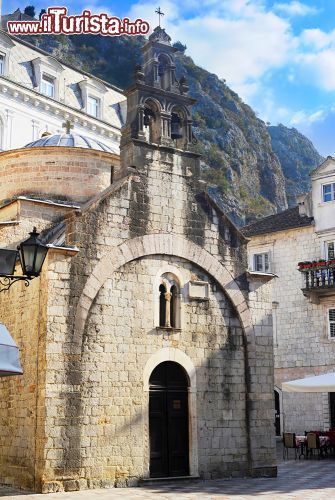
column 297, row 479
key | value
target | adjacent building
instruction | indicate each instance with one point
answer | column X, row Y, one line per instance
column 39, row 94
column 295, row 250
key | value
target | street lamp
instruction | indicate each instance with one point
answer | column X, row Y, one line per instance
column 31, row 252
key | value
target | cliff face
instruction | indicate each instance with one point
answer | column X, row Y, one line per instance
column 236, row 146
column 297, row 156
column 239, row 155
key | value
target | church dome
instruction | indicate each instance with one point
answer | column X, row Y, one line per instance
column 71, row 141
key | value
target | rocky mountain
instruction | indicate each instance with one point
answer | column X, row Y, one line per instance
column 297, row 156
column 250, row 164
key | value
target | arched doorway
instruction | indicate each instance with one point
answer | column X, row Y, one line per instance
column 168, row 421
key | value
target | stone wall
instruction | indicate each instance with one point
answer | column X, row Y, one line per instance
column 260, row 369
column 22, row 407
column 57, row 173
column 121, row 336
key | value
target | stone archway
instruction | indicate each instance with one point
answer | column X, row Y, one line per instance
column 158, row 244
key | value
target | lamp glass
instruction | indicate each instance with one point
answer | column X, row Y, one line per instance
column 32, row 254
column 7, row 261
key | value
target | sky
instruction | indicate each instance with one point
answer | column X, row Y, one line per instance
column 279, row 56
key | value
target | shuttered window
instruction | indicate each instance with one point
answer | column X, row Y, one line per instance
column 331, row 322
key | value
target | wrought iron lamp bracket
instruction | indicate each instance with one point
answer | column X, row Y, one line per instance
column 7, row 281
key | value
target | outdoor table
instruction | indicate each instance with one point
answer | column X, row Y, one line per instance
column 299, row 440
column 302, row 442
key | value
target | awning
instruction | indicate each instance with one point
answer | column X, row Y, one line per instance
column 319, row 383
column 9, row 354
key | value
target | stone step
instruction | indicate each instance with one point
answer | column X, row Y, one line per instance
column 156, row 481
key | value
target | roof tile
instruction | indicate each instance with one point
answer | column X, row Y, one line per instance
column 289, row 219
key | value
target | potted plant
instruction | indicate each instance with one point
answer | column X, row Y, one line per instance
column 304, row 265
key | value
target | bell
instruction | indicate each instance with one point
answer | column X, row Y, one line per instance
column 148, row 116
column 176, row 132
column 146, row 120
column 161, row 69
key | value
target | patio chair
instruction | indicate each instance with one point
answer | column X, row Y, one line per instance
column 289, row 442
column 313, row 445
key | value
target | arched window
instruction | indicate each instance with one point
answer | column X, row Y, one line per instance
column 162, row 305
column 169, row 302
column 180, row 127
column 173, row 306
column 164, row 71
column 152, row 121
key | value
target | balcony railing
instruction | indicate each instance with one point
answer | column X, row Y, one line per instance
column 318, row 276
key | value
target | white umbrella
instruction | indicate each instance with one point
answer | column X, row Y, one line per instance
column 319, row 383
column 9, row 354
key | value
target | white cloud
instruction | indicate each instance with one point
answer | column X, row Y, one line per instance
column 144, row 10
column 317, row 39
column 318, row 69
column 294, row 8
column 239, row 41
column 301, row 117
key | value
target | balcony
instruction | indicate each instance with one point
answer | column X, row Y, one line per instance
column 319, row 278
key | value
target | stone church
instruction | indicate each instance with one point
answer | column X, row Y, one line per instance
column 145, row 344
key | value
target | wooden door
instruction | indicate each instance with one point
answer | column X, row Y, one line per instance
column 168, row 421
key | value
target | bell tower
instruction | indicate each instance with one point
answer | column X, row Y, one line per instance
column 158, row 105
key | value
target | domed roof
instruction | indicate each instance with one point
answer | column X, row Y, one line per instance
column 71, row 141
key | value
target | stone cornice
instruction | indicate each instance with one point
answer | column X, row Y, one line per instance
column 59, row 150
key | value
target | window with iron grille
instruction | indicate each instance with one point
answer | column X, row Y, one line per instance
column 331, row 322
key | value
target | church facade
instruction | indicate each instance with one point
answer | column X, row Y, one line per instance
column 147, row 351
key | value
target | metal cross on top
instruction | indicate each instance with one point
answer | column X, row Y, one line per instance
column 68, row 126
column 160, row 13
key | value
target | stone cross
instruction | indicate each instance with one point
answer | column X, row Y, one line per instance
column 160, row 13
column 68, row 126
